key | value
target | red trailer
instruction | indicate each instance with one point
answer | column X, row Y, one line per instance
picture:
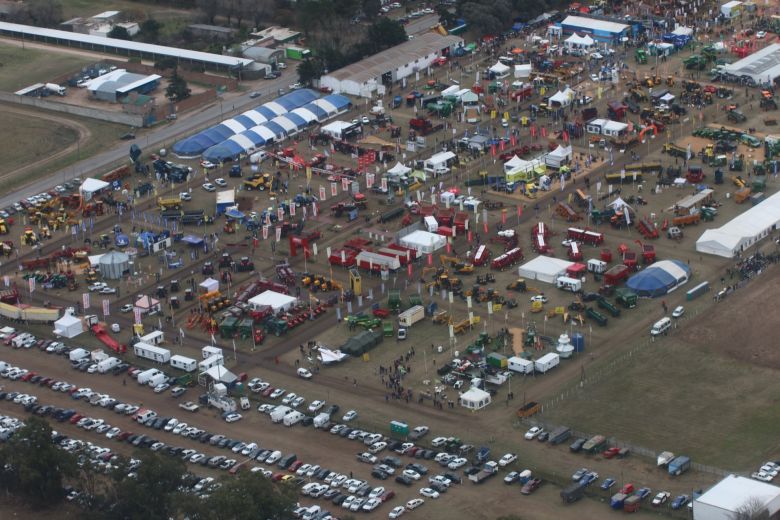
column 574, row 252
column 410, row 253
column 507, row 259
column 576, row 270
column 541, row 246
column 402, row 257
column 540, row 229
column 647, row 228
column 507, row 238
column 630, row 260
column 445, row 216
column 461, row 222
column 343, row 257
column 606, row 255
column 648, row 253
column 576, row 234
column 446, row 231
column 616, row 275
column 593, row 238
column 358, row 244
column 481, row 256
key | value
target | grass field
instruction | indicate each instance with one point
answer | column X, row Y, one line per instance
column 86, row 8
column 42, row 138
column 23, row 67
column 673, row 396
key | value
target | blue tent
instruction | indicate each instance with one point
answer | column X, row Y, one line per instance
column 660, row 278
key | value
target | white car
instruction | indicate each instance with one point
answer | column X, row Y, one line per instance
column 428, row 492
column 678, row 311
column 396, row 512
column 761, row 34
column 661, row 498
column 289, row 398
column 411, row 474
column 209, row 187
column 507, row 459
column 296, row 86
column 533, row 432
column 184, row 196
column 316, row 405
column 220, row 182
column 232, row 417
column 457, row 463
column 162, row 387
column 304, row 373
column 594, row 77
column 208, row 165
column 438, row 442
column 596, row 56
column 377, row 447
column 113, row 432
column 349, row 416
column 128, row 307
column 298, row 401
column 762, row 476
column 414, row 504
column 539, row 298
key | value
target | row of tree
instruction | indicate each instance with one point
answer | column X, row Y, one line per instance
column 37, row 471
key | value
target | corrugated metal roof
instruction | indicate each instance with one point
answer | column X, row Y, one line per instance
column 161, row 50
column 596, row 25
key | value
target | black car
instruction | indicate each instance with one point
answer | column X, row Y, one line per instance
column 438, row 486
column 455, row 479
column 542, row 437
column 394, row 462
column 332, row 409
column 330, row 494
column 577, row 445
column 322, row 474
column 339, row 499
column 345, row 432
column 378, row 473
column 419, row 468
column 471, row 471
column 590, row 297
column 403, row 479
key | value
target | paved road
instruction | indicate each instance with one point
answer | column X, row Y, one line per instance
column 421, row 24
column 164, row 136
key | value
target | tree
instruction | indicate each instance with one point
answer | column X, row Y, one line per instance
column 43, row 13
column 210, row 8
column 487, row 16
column 385, row 33
column 309, row 70
column 752, row 509
column 119, row 33
column 243, row 497
column 153, row 494
column 446, row 17
column 177, row 88
column 150, row 30
column 165, row 63
column 33, row 466
column 372, row 8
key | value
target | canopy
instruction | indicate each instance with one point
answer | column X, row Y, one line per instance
column 563, row 98
column 619, row 204
column 192, row 240
column 221, row 374
column 660, row 278
column 68, row 326
column 544, row 268
column 499, row 68
column 581, row 41
column 513, row 163
column 328, row 356
column 92, row 186
column 209, row 285
column 399, row 169
column 277, row 301
column 523, row 71
column 474, row 399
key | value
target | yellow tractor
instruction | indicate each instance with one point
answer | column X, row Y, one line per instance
column 3, row 227
column 459, row 266
column 29, row 238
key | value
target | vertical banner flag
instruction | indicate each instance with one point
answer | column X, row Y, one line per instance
column 369, row 180
column 334, row 189
column 85, row 300
column 278, row 233
column 265, row 232
column 31, row 283
column 384, row 184
column 322, row 192
column 137, row 315
column 503, row 215
column 292, row 209
column 280, row 213
column 344, row 184
column 314, row 209
column 106, row 307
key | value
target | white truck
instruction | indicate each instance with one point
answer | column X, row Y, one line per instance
column 547, row 362
column 108, row 364
column 209, row 351
column 56, row 89
column 520, row 365
column 664, row 458
column 184, row 363
column 597, row 266
column 156, row 379
column 568, row 284
column 292, row 418
column 321, row 420
column 224, row 403
column 411, row 316
column 152, row 352
column 279, row 412
column 77, row 354
column 144, row 376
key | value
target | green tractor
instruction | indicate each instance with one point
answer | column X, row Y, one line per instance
column 641, row 56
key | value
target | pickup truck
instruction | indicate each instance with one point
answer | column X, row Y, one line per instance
column 489, row 470
column 189, row 406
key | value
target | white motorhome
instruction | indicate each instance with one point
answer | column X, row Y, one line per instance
column 520, row 365
column 597, row 266
column 568, row 284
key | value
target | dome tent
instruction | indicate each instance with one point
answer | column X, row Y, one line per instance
column 660, row 278
column 113, row 264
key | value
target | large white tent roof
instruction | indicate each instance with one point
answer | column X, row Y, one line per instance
column 499, row 68
column 733, row 492
column 743, row 230
column 576, row 39
column 544, row 268
column 399, row 169
column 273, row 299
column 563, row 97
column 93, row 185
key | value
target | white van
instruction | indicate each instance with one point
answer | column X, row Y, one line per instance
column 568, row 284
column 661, row 326
column 258, row 157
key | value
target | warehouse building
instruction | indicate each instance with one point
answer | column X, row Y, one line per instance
column 600, row 30
column 126, row 48
column 118, row 83
column 761, row 67
column 726, row 499
column 368, row 76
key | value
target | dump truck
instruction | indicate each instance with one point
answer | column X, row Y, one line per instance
column 626, row 297
column 679, row 465
column 528, row 409
column 573, row 493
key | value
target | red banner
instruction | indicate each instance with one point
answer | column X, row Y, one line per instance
column 280, row 213
column 430, row 259
column 344, row 184
column 322, row 192
column 334, row 189
column 278, row 233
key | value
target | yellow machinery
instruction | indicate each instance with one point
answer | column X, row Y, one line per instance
column 460, row 267
column 355, row 282
column 3, row 227
column 442, row 317
column 29, row 238
column 537, row 306
column 318, row 283
column 259, row 181
column 169, row 203
column 91, row 275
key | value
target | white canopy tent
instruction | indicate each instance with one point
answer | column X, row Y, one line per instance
column 562, row 98
column 576, row 41
column 220, row 374
column 90, row 187
column 209, row 285
column 514, row 162
column 329, row 357
column 558, row 157
column 277, row 301
column 69, row 326
column 544, row 268
column 474, row 399
column 742, row 231
column 523, row 71
column 500, row 70
column 423, row 241
column 399, row 169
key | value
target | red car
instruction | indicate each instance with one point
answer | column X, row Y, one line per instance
column 268, row 391
column 611, row 452
column 28, row 376
column 295, row 465
column 387, row 495
column 76, row 418
column 124, row 435
column 627, row 489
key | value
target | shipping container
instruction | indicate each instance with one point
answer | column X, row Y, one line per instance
column 213, row 361
column 184, row 363
column 617, row 500
column 679, row 465
column 520, row 365
column 411, row 316
column 697, row 291
column 547, row 362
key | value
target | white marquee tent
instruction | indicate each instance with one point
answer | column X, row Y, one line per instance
column 92, row 186
column 69, row 326
column 277, row 301
column 558, row 157
column 544, row 268
column 474, row 399
column 742, row 231
column 562, row 98
column 576, row 41
column 500, row 70
column 399, row 169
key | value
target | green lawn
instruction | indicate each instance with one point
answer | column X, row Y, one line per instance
column 669, row 396
column 20, row 68
column 33, row 139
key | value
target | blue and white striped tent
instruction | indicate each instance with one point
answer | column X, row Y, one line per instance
column 195, row 145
